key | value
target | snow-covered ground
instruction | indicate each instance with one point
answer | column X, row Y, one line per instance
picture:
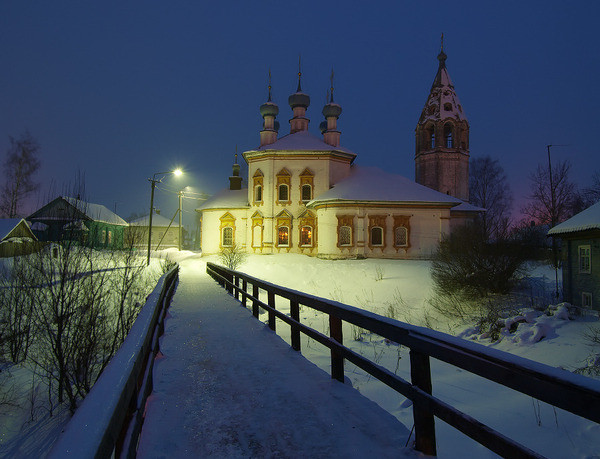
column 402, row 289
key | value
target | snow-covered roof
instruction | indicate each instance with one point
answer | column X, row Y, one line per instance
column 371, row 184
column 96, row 212
column 7, row 225
column 587, row 219
column 227, row 199
column 302, row 141
column 442, row 103
column 466, row 207
column 157, row 221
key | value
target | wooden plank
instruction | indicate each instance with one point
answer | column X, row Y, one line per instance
column 337, row 359
column 271, row 302
column 244, row 292
column 420, row 373
column 255, row 301
column 295, row 331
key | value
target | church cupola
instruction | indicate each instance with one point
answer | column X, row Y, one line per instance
column 442, row 138
column 331, row 112
column 269, row 111
column 235, row 181
column 299, row 102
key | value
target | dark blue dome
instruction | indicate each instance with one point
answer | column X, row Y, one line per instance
column 299, row 99
column 269, row 109
column 332, row 109
column 323, row 126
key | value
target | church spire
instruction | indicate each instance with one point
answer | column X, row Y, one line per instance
column 235, row 181
column 442, row 138
column 269, row 111
column 331, row 112
column 299, row 102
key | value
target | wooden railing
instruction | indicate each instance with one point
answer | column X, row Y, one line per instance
column 560, row 388
column 109, row 420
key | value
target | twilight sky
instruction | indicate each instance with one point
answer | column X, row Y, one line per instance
column 117, row 91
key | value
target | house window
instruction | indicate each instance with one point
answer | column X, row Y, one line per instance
column 103, row 237
column 258, row 193
column 377, row 235
column 345, row 235
column 586, row 300
column 400, row 236
column 448, row 136
column 227, row 236
column 306, row 192
column 283, row 193
column 585, row 261
column 109, row 237
column 306, row 236
column 283, row 236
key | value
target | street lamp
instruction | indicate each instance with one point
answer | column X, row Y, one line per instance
column 153, row 181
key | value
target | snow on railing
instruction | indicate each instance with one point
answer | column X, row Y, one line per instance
column 563, row 389
column 108, row 421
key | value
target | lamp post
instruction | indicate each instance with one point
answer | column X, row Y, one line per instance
column 153, row 181
column 180, row 194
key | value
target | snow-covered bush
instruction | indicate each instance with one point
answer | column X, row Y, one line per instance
column 232, row 257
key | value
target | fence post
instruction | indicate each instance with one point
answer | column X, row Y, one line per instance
column 244, row 292
column 337, row 360
column 420, row 374
column 255, row 302
column 271, row 302
column 229, row 285
column 295, row 331
column 237, row 285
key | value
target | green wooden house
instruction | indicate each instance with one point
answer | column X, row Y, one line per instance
column 67, row 218
column 580, row 256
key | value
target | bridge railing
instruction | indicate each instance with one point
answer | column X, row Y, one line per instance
column 109, row 420
column 560, row 388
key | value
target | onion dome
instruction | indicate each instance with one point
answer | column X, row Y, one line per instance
column 323, row 126
column 299, row 99
column 331, row 109
column 269, row 108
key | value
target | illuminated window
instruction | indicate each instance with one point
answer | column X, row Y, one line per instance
column 400, row 236
column 283, row 194
column 377, row 235
column 283, row 236
column 345, row 235
column 258, row 193
column 109, row 237
column 103, row 237
column 306, row 236
column 227, row 236
column 585, row 262
column 306, row 192
column 586, row 300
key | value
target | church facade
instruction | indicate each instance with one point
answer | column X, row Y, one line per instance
column 304, row 194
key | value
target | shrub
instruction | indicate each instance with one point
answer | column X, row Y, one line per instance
column 232, row 257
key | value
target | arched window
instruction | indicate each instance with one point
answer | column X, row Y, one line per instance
column 283, row 193
column 306, row 236
column 448, row 139
column 345, row 235
column 227, row 237
column 377, row 235
column 431, row 133
column 400, row 236
column 258, row 193
column 306, row 192
column 283, row 236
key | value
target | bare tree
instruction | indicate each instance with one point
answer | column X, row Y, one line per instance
column 488, row 188
column 20, row 166
column 551, row 204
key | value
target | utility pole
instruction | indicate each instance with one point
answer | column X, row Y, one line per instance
column 180, row 194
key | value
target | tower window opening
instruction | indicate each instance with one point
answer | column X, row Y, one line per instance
column 448, row 139
column 377, row 236
column 258, row 193
column 432, row 137
column 345, row 236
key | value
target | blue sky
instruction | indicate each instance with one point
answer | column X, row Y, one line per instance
column 120, row 90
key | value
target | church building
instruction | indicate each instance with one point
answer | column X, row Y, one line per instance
column 304, row 194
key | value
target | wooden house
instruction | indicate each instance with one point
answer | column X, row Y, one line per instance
column 67, row 218
column 16, row 238
column 580, row 256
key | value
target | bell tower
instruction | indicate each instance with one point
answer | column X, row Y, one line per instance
column 442, row 138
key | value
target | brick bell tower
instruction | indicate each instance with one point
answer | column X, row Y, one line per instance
column 442, row 138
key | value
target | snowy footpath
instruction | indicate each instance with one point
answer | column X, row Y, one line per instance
column 226, row 386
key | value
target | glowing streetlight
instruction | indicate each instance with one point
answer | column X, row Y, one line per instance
column 153, row 181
